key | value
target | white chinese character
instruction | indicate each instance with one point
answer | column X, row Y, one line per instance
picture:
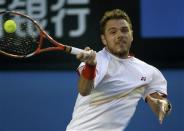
column 58, row 5
column 18, row 5
column 81, row 14
column 37, row 9
column 58, row 20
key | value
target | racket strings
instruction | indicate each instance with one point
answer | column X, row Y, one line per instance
column 15, row 45
column 24, row 41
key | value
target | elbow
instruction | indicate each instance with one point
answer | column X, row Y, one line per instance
column 84, row 93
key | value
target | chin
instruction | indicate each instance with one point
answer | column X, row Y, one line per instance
column 122, row 53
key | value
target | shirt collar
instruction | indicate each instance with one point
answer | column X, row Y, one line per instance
column 117, row 58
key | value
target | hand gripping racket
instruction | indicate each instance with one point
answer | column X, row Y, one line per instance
column 28, row 38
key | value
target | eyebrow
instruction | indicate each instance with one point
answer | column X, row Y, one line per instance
column 124, row 27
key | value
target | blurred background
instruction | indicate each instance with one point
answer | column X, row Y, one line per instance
column 38, row 93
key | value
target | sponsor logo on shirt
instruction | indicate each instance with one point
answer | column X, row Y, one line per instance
column 143, row 78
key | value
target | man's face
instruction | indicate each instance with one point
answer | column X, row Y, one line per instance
column 117, row 37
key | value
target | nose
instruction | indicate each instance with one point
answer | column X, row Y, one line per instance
column 120, row 35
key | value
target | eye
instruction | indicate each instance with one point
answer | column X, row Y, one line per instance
column 112, row 31
column 124, row 30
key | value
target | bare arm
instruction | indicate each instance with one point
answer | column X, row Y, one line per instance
column 85, row 86
column 87, row 75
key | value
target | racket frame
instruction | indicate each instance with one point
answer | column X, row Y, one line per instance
column 44, row 35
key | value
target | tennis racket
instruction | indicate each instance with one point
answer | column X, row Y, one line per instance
column 28, row 38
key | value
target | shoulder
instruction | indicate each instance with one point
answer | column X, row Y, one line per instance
column 146, row 66
column 143, row 63
column 152, row 69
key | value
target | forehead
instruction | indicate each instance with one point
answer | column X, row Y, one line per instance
column 117, row 23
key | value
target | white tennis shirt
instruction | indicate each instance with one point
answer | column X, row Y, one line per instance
column 119, row 85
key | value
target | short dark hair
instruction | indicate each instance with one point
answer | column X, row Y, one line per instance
column 113, row 14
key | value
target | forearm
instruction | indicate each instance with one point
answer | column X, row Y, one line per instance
column 88, row 73
column 86, row 81
column 85, row 86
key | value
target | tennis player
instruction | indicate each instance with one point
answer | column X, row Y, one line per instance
column 112, row 82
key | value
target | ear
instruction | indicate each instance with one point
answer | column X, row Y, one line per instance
column 103, row 40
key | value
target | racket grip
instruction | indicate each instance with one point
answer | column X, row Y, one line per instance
column 76, row 51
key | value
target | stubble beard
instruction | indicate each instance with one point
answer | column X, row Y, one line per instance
column 121, row 53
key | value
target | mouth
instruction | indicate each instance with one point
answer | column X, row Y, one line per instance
column 122, row 43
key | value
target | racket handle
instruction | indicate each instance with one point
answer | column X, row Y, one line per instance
column 76, row 51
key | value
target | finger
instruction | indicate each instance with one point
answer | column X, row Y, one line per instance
column 87, row 56
column 92, row 58
column 161, row 116
column 83, row 55
column 79, row 56
column 87, row 48
column 162, row 110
